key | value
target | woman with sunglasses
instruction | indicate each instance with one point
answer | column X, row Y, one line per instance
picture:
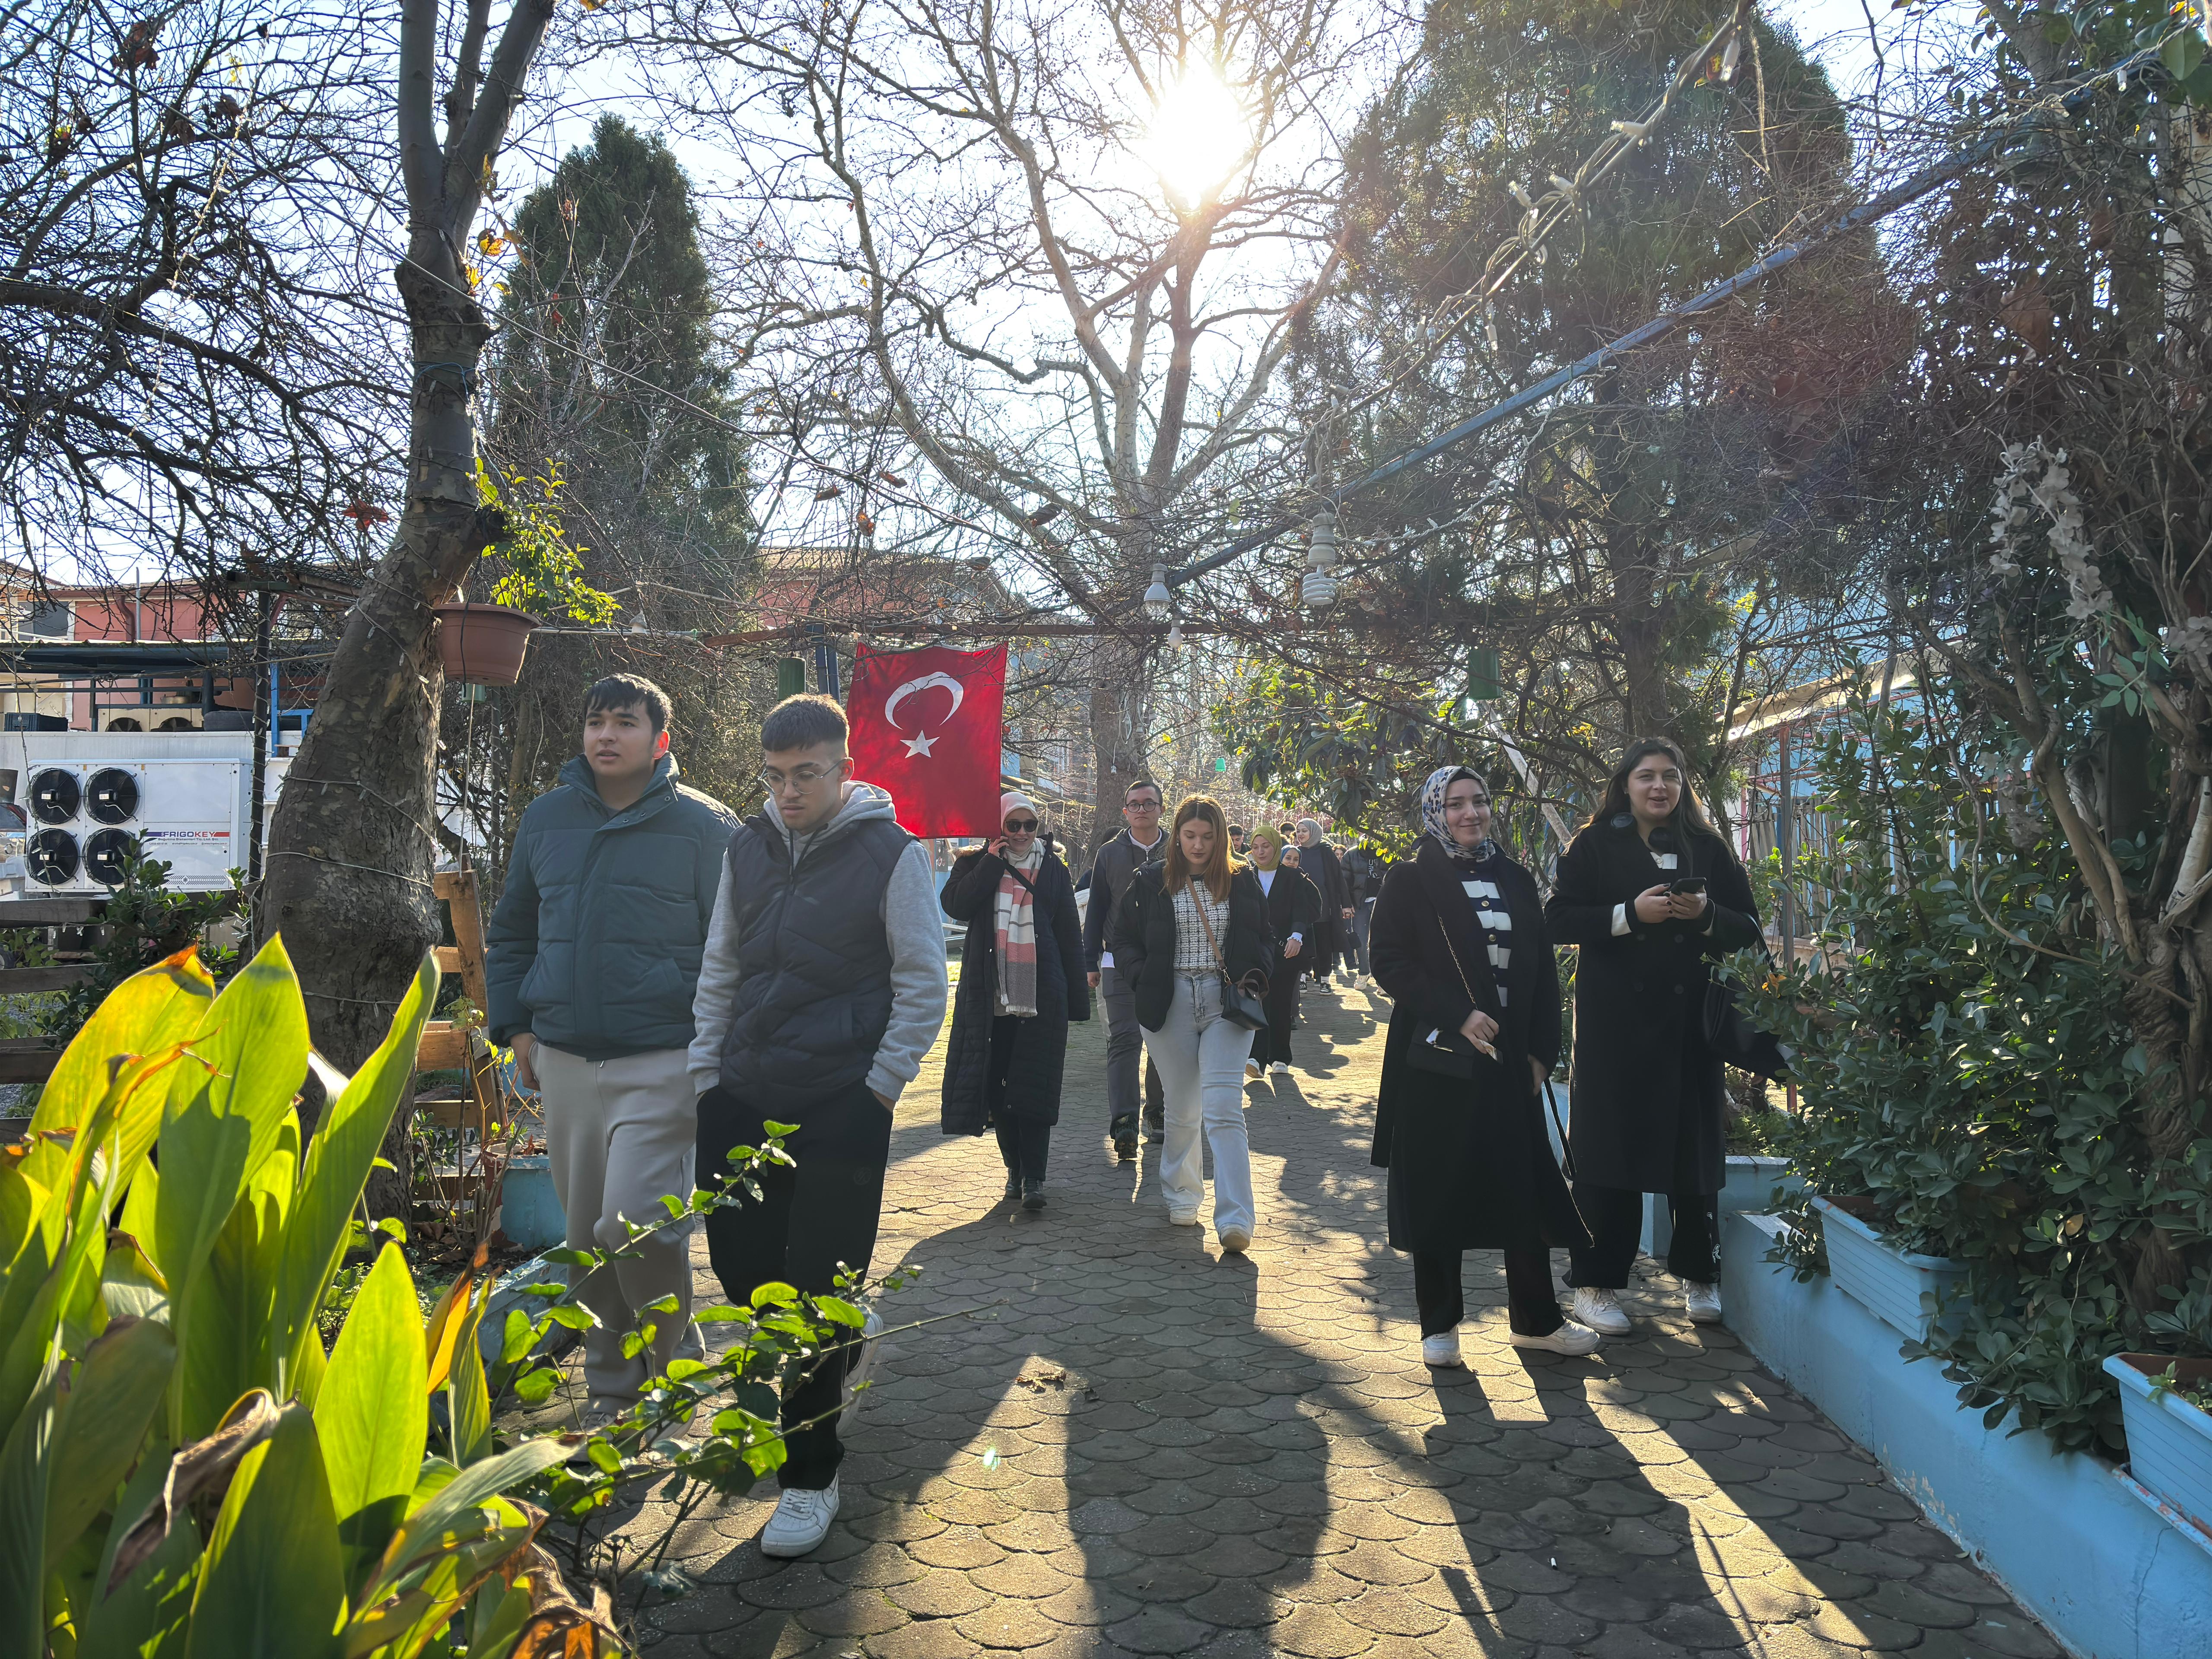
column 1458, row 943
column 1021, row 981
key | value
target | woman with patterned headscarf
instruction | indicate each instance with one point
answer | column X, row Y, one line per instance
column 1458, row 943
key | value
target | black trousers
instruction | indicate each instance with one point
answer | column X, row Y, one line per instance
column 1024, row 1142
column 809, row 1220
column 1273, row 1040
column 1615, row 1219
column 1532, row 1305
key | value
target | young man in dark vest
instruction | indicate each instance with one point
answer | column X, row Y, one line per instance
column 589, row 963
column 823, row 987
column 1138, row 844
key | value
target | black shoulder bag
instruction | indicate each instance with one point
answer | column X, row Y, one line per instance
column 1242, row 1002
column 1733, row 1039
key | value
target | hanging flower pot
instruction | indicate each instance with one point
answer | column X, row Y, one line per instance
column 483, row 644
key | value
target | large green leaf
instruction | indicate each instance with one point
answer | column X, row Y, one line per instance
column 204, row 1160
column 223, row 1342
column 144, row 1615
column 468, row 1490
column 253, row 1038
column 372, row 1412
column 25, row 1465
column 272, row 1587
column 338, row 1162
column 111, row 1400
column 152, row 1010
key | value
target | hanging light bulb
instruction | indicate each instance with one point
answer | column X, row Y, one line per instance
column 1319, row 588
column 1156, row 597
column 1174, row 636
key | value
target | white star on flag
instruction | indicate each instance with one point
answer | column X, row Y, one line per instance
column 918, row 745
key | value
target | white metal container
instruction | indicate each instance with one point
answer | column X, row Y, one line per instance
column 179, row 797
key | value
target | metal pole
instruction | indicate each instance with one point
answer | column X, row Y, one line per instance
column 263, row 713
column 1785, row 843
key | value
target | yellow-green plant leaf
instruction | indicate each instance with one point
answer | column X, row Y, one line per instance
column 468, row 1491
column 469, row 1408
column 338, row 1166
column 442, row 1332
column 272, row 1587
column 132, row 1286
column 137, row 1616
column 110, row 1400
column 26, row 1459
column 153, row 1010
column 139, row 1209
column 222, row 1341
column 204, row 1159
column 372, row 1413
column 254, row 1038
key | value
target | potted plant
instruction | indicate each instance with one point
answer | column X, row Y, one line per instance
column 2166, row 1406
column 483, row 644
column 1902, row 1288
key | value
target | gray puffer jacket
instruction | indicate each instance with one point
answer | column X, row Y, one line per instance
column 595, row 945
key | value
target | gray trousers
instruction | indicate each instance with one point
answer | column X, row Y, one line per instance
column 1125, row 1056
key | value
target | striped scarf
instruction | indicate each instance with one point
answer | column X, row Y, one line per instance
column 1014, row 916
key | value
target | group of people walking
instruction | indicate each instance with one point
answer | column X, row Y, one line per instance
column 673, row 980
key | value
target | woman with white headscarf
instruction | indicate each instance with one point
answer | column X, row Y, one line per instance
column 1021, row 981
column 1458, row 943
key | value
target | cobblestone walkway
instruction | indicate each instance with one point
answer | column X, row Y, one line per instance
column 1135, row 1445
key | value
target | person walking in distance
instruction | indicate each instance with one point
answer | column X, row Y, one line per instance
column 1318, row 862
column 822, row 990
column 1459, row 946
column 1652, row 894
column 1021, row 982
column 1363, row 870
column 1293, row 914
column 1190, row 925
column 1138, row 843
column 590, row 962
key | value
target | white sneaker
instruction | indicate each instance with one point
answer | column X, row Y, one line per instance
column 1441, row 1352
column 1251, row 1070
column 1703, row 1302
column 1600, row 1311
column 1235, row 1240
column 1183, row 1217
column 863, row 1366
column 801, row 1520
column 1569, row 1337
column 1280, row 1068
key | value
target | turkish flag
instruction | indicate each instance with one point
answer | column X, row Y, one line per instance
column 927, row 727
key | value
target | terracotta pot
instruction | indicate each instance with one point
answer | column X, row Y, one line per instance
column 483, row 644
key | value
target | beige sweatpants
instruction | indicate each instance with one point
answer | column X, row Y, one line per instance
column 620, row 1134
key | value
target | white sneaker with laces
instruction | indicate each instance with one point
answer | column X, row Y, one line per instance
column 1281, row 1067
column 1600, row 1311
column 1251, row 1070
column 1571, row 1339
column 863, row 1365
column 800, row 1523
column 1441, row 1352
column 1183, row 1217
column 1702, row 1302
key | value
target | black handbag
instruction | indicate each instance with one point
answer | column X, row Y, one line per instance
column 1733, row 1040
column 1448, row 1054
column 1241, row 1005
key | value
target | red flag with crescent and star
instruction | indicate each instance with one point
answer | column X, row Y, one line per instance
column 927, row 726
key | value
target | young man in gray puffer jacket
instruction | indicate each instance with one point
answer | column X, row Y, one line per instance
column 592, row 960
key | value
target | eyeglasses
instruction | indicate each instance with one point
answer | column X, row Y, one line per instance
column 801, row 778
column 1021, row 826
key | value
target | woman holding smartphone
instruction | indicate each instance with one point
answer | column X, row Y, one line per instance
column 1021, row 981
column 1653, row 896
column 1457, row 942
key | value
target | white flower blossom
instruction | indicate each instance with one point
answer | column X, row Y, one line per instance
column 2034, row 474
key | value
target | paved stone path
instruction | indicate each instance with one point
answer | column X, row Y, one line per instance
column 1135, row 1445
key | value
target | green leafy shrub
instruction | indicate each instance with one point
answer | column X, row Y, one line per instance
column 1968, row 1069
column 186, row 1467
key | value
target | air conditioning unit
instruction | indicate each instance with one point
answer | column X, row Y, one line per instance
column 94, row 800
column 153, row 717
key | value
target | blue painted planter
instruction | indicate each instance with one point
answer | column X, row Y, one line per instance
column 2169, row 1440
column 528, row 1208
column 1888, row 1283
column 1752, row 1180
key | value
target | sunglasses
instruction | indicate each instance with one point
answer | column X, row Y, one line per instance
column 1020, row 826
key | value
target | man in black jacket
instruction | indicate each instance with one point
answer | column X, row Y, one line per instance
column 1136, row 846
column 1363, row 870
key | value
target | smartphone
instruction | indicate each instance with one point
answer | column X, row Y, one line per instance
column 1686, row 884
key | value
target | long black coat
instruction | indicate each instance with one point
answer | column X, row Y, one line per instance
column 1646, row 1092
column 1320, row 865
column 1063, row 994
column 1470, row 1166
column 1144, row 937
column 1293, row 907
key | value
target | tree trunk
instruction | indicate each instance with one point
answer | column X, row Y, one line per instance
column 353, row 845
column 1118, row 707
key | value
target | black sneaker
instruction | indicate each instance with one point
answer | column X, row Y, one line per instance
column 1125, row 1146
column 1032, row 1194
column 1013, row 1187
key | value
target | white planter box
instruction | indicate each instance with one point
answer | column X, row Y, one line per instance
column 2169, row 1440
column 1887, row 1282
column 1751, row 1179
